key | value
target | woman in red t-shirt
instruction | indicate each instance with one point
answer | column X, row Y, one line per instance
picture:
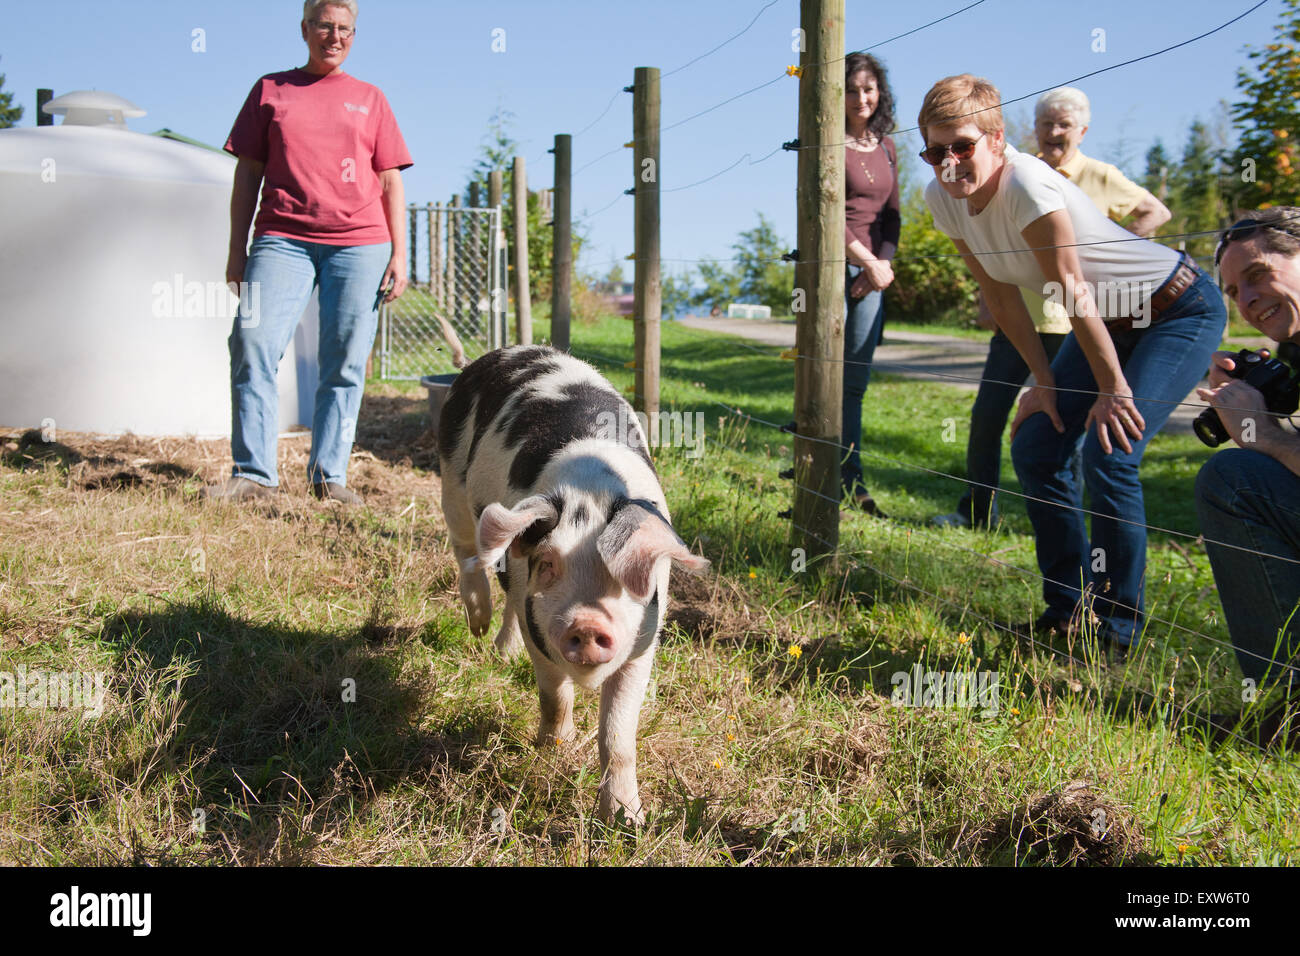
column 327, row 154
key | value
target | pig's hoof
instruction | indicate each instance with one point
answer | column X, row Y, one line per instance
column 478, row 608
column 478, row 620
column 554, row 737
column 617, row 813
column 508, row 642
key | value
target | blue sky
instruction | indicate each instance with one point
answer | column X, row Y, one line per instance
column 564, row 61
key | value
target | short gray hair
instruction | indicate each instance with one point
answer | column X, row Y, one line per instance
column 1066, row 97
column 1282, row 234
column 312, row 7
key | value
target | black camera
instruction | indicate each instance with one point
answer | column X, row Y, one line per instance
column 1273, row 378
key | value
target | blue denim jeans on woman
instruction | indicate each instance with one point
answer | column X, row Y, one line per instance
column 286, row 270
column 1249, row 500
column 864, row 322
column 988, row 420
column 1162, row 364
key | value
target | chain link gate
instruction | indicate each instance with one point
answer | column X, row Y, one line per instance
column 458, row 272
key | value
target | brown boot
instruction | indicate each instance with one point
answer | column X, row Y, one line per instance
column 329, row 491
column 236, row 489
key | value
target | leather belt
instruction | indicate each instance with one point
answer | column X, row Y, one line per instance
column 1165, row 296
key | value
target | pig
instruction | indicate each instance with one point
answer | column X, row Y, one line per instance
column 547, row 478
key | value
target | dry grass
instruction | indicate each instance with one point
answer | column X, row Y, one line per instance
column 229, row 636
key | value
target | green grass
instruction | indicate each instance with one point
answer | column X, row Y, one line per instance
column 229, row 637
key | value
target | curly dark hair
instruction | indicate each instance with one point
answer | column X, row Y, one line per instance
column 882, row 120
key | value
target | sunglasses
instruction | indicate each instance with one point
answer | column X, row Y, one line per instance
column 1239, row 230
column 961, row 150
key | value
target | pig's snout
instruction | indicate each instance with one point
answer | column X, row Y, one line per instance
column 586, row 642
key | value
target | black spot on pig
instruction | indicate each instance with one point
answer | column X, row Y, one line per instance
column 625, row 516
column 530, row 537
column 489, row 379
column 544, row 424
column 534, row 634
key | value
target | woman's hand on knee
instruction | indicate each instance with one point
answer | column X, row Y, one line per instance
column 1034, row 400
column 1116, row 416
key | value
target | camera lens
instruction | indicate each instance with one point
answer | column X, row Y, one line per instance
column 1209, row 429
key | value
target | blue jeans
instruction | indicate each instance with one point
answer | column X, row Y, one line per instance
column 286, row 271
column 988, row 420
column 1248, row 499
column 864, row 322
column 1161, row 364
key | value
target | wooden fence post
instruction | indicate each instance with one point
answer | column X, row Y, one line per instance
column 412, row 216
column 474, row 244
column 562, row 251
column 648, row 295
column 498, row 288
column 453, row 252
column 819, row 273
column 435, row 259
column 523, row 295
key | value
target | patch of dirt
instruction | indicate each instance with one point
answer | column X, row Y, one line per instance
column 393, row 461
column 708, row 607
column 851, row 756
column 1070, row 826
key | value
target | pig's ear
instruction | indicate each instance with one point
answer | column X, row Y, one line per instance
column 499, row 526
column 632, row 544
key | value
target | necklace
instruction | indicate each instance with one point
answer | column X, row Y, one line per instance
column 863, row 163
column 869, row 141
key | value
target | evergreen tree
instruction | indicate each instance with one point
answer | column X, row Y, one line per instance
column 1156, row 180
column 9, row 113
column 763, row 277
column 1195, row 185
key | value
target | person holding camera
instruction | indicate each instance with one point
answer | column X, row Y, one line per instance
column 1248, row 498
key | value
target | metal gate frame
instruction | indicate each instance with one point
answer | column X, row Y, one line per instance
column 464, row 279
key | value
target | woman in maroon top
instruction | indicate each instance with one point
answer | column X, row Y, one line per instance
column 872, row 225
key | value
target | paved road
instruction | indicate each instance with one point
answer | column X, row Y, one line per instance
column 918, row 355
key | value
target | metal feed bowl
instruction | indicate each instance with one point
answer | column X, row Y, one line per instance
column 438, row 386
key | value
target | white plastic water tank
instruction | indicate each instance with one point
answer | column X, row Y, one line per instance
column 114, row 314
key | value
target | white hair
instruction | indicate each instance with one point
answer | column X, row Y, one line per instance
column 1068, row 98
column 312, row 7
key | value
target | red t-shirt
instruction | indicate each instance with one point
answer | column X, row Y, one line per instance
column 324, row 140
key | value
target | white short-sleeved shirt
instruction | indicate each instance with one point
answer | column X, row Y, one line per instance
column 1123, row 269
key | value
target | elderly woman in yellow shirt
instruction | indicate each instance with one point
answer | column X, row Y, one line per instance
column 1061, row 118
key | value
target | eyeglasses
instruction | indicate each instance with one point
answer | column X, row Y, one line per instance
column 1239, row 230
column 961, row 150
column 324, row 28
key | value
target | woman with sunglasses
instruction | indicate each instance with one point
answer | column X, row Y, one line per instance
column 327, row 155
column 1062, row 116
column 872, row 226
column 1145, row 321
